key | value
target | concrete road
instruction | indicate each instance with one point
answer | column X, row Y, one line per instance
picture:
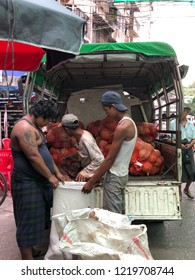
column 174, row 240
column 8, row 246
column 170, row 240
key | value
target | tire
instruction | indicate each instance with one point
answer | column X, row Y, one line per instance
column 3, row 188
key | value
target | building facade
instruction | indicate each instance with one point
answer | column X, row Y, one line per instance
column 106, row 21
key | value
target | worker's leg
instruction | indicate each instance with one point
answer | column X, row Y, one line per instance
column 187, row 186
column 26, row 253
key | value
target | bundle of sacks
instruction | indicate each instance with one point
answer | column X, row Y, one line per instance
column 147, row 131
column 63, row 150
column 145, row 160
column 103, row 131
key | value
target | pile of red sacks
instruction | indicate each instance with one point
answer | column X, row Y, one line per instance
column 145, row 160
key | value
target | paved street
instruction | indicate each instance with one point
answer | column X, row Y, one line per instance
column 8, row 246
column 174, row 240
column 169, row 240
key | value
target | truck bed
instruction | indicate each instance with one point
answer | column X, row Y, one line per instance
column 153, row 197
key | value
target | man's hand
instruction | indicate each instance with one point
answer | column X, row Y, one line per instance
column 67, row 178
column 80, row 177
column 54, row 181
column 87, row 188
column 60, row 177
column 63, row 178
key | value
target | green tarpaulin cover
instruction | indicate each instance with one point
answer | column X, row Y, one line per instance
column 146, row 48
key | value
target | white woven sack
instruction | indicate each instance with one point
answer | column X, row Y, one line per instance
column 92, row 238
column 67, row 196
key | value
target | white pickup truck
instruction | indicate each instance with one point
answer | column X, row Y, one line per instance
column 148, row 77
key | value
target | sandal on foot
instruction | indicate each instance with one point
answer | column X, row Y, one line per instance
column 189, row 194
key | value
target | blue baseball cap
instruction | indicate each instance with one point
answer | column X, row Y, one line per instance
column 112, row 97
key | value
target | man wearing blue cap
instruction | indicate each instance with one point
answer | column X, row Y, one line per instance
column 116, row 165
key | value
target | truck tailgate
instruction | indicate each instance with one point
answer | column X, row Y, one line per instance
column 148, row 201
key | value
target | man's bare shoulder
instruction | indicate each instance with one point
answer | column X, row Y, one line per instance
column 121, row 130
column 126, row 124
column 21, row 127
column 126, row 128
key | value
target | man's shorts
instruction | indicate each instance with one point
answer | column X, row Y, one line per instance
column 113, row 192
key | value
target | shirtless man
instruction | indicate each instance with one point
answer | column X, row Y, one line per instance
column 34, row 176
column 116, row 165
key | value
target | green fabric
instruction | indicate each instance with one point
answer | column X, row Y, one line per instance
column 146, row 48
column 39, row 79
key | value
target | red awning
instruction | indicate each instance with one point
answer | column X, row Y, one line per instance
column 25, row 57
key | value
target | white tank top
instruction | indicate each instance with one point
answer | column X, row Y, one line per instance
column 120, row 166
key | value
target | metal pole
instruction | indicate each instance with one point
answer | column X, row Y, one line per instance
column 0, row 133
column 25, row 95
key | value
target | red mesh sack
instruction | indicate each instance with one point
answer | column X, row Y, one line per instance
column 57, row 137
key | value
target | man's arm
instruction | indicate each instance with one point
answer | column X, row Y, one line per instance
column 96, row 158
column 26, row 137
column 192, row 142
column 59, row 175
column 119, row 136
